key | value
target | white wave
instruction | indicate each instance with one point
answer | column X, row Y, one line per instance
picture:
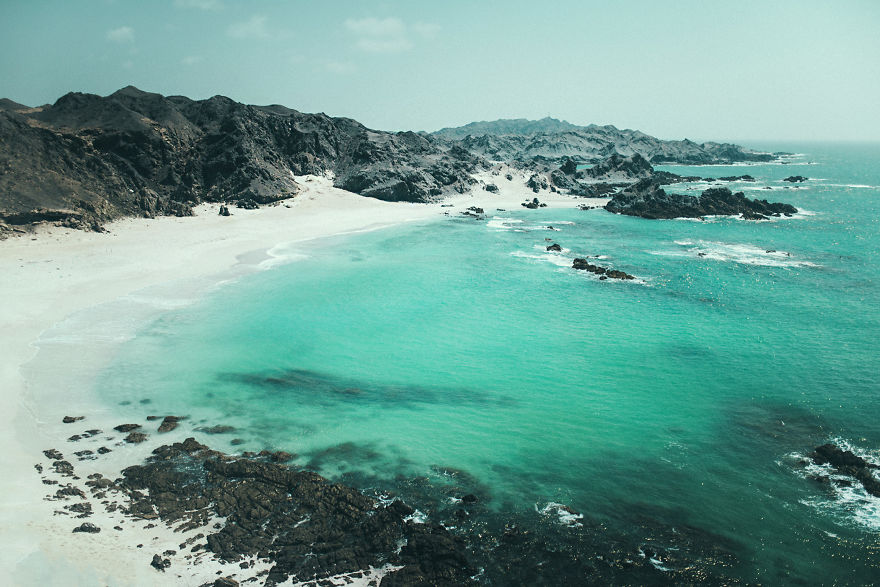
column 417, row 517
column 564, row 514
column 501, row 223
column 846, row 500
column 549, row 257
column 744, row 254
column 854, row 185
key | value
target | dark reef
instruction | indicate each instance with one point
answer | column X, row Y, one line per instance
column 648, row 200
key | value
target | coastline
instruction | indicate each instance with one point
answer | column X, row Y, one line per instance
column 57, row 273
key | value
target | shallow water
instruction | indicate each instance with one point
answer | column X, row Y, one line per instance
column 669, row 410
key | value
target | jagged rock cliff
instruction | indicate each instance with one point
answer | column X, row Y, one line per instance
column 91, row 158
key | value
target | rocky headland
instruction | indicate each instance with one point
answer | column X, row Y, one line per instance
column 647, row 199
column 550, row 141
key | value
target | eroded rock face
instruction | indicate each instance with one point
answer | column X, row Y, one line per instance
column 618, row 167
column 648, row 200
column 88, row 159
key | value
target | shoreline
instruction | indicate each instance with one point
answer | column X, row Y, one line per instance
column 58, row 273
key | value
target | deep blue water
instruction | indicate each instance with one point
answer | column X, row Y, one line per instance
column 671, row 411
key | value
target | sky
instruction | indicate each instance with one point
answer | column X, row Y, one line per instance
column 727, row 70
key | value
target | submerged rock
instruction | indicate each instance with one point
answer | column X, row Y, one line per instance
column 218, row 429
column 169, row 423
column 135, row 437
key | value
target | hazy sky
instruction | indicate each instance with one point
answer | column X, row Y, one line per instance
column 737, row 70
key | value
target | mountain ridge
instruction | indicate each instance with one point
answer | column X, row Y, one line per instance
column 141, row 153
column 548, row 139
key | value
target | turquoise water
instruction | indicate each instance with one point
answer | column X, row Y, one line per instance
column 458, row 355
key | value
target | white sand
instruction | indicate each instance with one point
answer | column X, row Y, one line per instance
column 55, row 275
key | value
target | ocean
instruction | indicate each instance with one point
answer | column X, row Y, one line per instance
column 632, row 432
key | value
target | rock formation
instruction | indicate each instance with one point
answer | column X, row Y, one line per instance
column 648, row 200
column 552, row 140
column 87, row 159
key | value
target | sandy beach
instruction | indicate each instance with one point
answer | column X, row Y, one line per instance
column 56, row 274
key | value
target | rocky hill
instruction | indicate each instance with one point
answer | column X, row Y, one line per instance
column 551, row 140
column 87, row 159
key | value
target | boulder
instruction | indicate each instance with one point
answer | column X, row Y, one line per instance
column 88, row 528
column 126, row 427
column 537, row 182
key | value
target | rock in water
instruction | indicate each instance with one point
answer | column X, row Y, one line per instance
column 603, row 272
column 126, row 427
column 647, row 199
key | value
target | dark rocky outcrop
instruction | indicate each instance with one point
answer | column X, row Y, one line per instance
column 169, row 423
column 845, row 462
column 569, row 166
column 126, row 427
column 602, row 272
column 795, row 178
column 554, row 247
column 648, row 200
column 564, row 181
column 87, row 159
column 87, row 528
column 309, row 527
column 135, row 437
column 617, row 167
column 537, row 182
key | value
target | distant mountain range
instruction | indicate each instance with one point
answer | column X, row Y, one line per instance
column 87, row 159
column 549, row 139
